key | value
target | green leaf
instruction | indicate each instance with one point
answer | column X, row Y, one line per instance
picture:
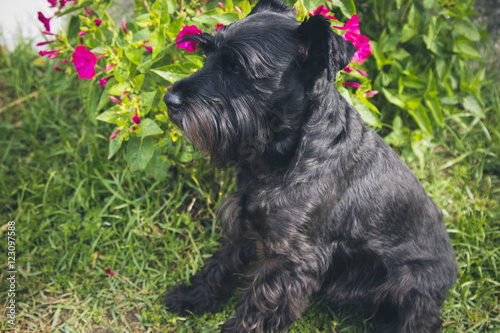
column 347, row 7
column 122, row 71
column 467, row 50
column 134, row 55
column 110, row 115
column 463, row 27
column 118, row 88
column 422, row 119
column 213, row 17
column 158, row 166
column 138, row 81
column 393, row 98
column 171, row 73
column 115, row 144
column 471, row 104
column 149, row 127
column 368, row 116
column 146, row 101
column 139, row 152
column 434, row 106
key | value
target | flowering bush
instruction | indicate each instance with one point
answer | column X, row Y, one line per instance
column 130, row 66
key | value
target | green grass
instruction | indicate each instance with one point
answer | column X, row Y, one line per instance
column 78, row 213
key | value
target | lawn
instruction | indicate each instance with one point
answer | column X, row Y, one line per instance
column 97, row 245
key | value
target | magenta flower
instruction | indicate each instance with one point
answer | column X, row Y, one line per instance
column 124, row 26
column 64, row 60
column 111, row 137
column 361, row 72
column 107, row 269
column 84, row 61
column 102, row 82
column 98, row 22
column 89, row 12
column 190, row 46
column 63, row 3
column 322, row 10
column 53, row 3
column 57, row 68
column 81, row 33
column 54, row 55
column 109, row 67
column 147, row 47
column 348, row 69
column 44, row 20
column 353, row 34
column 49, row 33
column 115, row 100
column 135, row 118
column 133, row 128
column 351, row 84
column 218, row 27
column 45, row 43
column 42, row 53
column 364, row 49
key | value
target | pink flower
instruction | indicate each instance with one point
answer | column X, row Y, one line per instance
column 238, row 10
column 133, row 128
column 42, row 53
column 44, row 20
column 190, row 46
column 218, row 27
column 112, row 136
column 109, row 67
column 135, row 118
column 81, row 33
column 49, row 33
column 54, row 55
column 353, row 34
column 45, row 43
column 102, row 82
column 64, row 61
column 107, row 269
column 371, row 93
column 63, row 3
column 89, row 12
column 221, row 5
column 115, row 100
column 351, row 84
column 361, row 72
column 84, row 61
column 348, row 69
column 124, row 26
column 364, row 49
column 57, row 68
column 123, row 94
column 322, row 10
column 53, row 3
column 147, row 47
column 98, row 22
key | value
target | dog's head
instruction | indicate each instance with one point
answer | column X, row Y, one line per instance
column 251, row 96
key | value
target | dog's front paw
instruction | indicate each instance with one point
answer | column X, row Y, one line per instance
column 192, row 299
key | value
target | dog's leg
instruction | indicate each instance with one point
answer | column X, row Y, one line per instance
column 278, row 294
column 415, row 293
column 210, row 287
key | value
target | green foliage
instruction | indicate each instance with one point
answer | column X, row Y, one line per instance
column 426, row 64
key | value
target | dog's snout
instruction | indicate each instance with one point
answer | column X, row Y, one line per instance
column 173, row 100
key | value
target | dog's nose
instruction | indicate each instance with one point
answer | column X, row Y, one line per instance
column 173, row 101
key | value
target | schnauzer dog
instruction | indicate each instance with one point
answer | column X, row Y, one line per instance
column 322, row 204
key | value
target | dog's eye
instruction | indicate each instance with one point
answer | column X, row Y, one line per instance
column 235, row 68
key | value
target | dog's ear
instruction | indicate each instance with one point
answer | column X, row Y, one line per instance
column 322, row 48
column 275, row 6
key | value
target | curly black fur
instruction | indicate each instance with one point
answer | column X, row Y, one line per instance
column 323, row 204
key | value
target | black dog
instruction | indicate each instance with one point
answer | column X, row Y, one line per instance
column 323, row 203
